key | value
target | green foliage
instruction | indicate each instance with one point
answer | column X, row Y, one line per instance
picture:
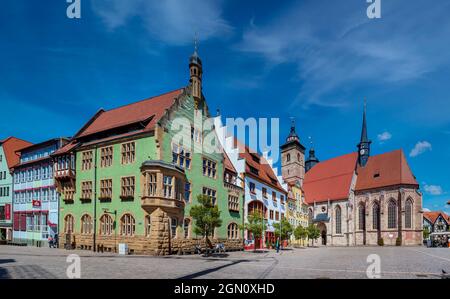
column 426, row 233
column 300, row 233
column 313, row 232
column 206, row 216
column 380, row 242
column 283, row 230
column 255, row 224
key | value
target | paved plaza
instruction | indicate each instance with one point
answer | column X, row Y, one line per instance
column 322, row 262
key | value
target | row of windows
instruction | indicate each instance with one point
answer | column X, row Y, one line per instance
column 4, row 191
column 106, row 188
column 128, row 226
column 128, row 156
column 38, row 155
column 392, row 216
column 252, row 187
column 42, row 172
column 44, row 194
column 2, row 175
column 63, row 163
column 277, row 215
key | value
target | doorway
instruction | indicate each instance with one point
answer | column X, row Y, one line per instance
column 323, row 233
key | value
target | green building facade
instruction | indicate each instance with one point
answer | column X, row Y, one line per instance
column 107, row 172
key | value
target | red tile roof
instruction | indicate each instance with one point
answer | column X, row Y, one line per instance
column 227, row 163
column 265, row 171
column 384, row 170
column 151, row 110
column 330, row 180
column 10, row 146
column 433, row 216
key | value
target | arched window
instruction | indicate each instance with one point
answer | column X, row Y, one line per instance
column 298, row 157
column 376, row 216
column 148, row 225
column 127, row 225
column 288, row 157
column 338, row 217
column 362, row 217
column 392, row 214
column 173, row 226
column 86, row 224
column 186, row 224
column 233, row 231
column 408, row 213
column 106, row 225
column 68, row 224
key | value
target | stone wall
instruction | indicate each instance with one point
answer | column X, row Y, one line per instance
column 144, row 245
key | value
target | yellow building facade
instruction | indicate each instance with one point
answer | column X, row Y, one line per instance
column 297, row 211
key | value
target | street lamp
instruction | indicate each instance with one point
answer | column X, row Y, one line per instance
column 106, row 211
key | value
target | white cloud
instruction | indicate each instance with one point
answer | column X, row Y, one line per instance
column 433, row 189
column 171, row 21
column 420, row 148
column 336, row 47
column 383, row 137
column 426, row 210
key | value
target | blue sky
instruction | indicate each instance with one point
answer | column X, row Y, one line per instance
column 312, row 60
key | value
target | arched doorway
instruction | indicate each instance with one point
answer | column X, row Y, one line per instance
column 323, row 233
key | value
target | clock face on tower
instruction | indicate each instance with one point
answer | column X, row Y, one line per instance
column 362, row 152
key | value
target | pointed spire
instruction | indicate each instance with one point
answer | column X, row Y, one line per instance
column 195, row 58
column 364, row 137
column 364, row 144
column 292, row 135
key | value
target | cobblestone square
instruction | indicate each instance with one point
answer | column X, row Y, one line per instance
column 313, row 263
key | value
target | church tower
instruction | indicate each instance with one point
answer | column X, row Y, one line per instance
column 312, row 159
column 293, row 158
column 195, row 73
column 364, row 144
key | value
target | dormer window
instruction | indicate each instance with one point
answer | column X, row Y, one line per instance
column 254, row 170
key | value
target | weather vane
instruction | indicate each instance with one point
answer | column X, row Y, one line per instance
column 196, row 41
column 292, row 121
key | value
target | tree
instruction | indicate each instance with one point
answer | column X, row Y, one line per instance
column 206, row 217
column 426, row 233
column 313, row 233
column 256, row 225
column 300, row 233
column 284, row 230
